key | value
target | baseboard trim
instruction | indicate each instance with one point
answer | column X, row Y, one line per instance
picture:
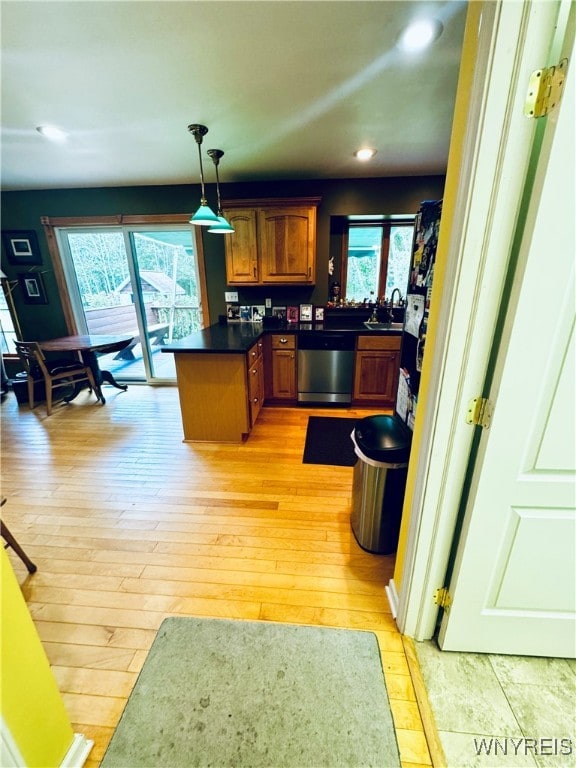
column 392, row 596
column 78, row 752
column 426, row 715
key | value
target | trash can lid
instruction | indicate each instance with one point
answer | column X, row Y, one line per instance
column 383, row 438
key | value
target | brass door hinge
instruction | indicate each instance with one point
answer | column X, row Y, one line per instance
column 545, row 89
column 479, row 412
column 442, row 598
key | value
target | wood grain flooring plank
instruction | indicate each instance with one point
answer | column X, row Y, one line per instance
column 129, row 525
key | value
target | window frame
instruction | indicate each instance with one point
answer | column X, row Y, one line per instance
column 51, row 224
column 385, row 223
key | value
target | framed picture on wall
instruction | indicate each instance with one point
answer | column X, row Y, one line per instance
column 32, row 287
column 21, row 246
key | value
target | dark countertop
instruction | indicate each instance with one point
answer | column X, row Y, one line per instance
column 239, row 337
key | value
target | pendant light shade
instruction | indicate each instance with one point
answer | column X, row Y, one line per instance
column 204, row 216
column 223, row 227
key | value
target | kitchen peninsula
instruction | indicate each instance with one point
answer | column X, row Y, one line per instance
column 225, row 372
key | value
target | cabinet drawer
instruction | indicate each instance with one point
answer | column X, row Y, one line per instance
column 284, row 341
column 255, row 352
column 379, row 342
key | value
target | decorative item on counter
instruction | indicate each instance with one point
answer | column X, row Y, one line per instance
column 233, row 312
column 305, row 313
column 292, row 314
column 279, row 312
column 335, row 296
column 258, row 312
column 318, row 314
column 245, row 314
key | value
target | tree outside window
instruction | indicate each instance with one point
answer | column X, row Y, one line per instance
column 377, row 260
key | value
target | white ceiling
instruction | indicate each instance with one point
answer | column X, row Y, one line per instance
column 288, row 89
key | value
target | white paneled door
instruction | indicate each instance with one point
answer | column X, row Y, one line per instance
column 514, row 582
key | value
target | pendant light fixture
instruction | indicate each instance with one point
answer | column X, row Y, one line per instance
column 223, row 226
column 204, row 216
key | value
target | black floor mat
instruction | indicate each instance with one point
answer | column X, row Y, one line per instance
column 328, row 441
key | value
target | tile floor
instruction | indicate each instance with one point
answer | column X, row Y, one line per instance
column 527, row 704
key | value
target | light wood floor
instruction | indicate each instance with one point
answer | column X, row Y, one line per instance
column 128, row 525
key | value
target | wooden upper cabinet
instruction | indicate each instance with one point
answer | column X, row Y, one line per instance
column 287, row 245
column 274, row 242
column 241, row 248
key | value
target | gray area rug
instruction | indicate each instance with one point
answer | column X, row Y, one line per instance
column 220, row 693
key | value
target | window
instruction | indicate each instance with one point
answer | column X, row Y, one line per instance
column 142, row 277
column 8, row 320
column 376, row 259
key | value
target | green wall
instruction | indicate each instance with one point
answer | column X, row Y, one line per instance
column 340, row 197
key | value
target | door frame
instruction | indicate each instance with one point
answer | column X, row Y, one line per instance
column 485, row 184
column 51, row 223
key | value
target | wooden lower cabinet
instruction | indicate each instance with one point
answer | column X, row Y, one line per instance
column 255, row 382
column 283, row 381
column 220, row 393
column 376, row 370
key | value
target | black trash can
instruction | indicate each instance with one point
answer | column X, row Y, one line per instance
column 382, row 444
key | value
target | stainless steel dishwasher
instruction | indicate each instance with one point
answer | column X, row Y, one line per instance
column 325, row 367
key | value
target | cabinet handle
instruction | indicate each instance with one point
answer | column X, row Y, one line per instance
column 309, row 271
column 254, row 371
column 254, row 268
column 255, row 400
column 283, row 341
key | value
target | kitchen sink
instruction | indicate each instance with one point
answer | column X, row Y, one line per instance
column 384, row 326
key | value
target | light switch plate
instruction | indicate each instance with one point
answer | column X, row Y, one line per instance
column 231, row 295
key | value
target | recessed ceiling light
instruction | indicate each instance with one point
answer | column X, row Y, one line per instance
column 52, row 132
column 420, row 34
column 365, row 154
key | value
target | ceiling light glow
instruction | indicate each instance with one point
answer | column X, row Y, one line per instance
column 365, row 154
column 52, row 132
column 420, row 35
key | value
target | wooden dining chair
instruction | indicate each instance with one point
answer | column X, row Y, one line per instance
column 54, row 375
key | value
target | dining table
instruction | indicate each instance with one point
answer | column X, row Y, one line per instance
column 89, row 346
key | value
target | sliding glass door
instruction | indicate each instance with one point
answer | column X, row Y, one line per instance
column 143, row 282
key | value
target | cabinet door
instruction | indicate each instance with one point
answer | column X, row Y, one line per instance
column 376, row 376
column 284, row 374
column 255, row 389
column 241, row 248
column 287, row 245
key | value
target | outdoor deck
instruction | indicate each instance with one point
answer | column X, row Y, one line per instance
column 133, row 370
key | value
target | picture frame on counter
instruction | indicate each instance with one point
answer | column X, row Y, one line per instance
column 318, row 314
column 232, row 312
column 305, row 313
column 279, row 312
column 292, row 314
column 245, row 313
column 258, row 312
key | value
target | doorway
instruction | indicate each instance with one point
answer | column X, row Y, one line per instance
column 141, row 281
